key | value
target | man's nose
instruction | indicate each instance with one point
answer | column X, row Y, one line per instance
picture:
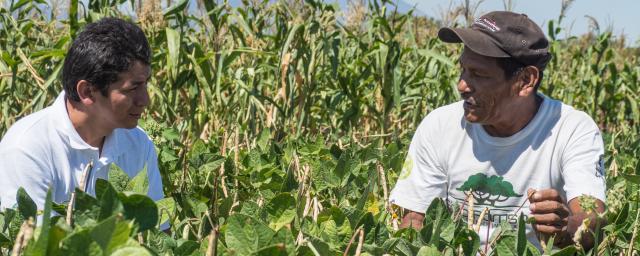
column 463, row 87
column 143, row 99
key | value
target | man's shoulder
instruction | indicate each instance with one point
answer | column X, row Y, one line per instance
column 575, row 118
column 445, row 117
column 29, row 131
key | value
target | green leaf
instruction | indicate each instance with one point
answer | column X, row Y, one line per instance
column 188, row 247
column 111, row 233
column 140, row 183
column 428, row 251
column 26, row 207
column 79, row 243
column 176, row 8
column 108, row 199
column 281, row 210
column 42, row 242
column 132, row 251
column 521, row 239
column 246, row 235
column 632, row 178
column 567, row 251
column 173, row 48
column 141, row 209
column 468, row 240
column 166, row 206
column 57, row 233
column 285, row 237
column 118, row 178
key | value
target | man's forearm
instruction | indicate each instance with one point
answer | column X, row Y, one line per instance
column 585, row 236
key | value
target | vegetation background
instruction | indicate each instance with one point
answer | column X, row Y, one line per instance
column 282, row 125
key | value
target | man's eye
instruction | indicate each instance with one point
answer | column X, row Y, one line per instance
column 478, row 74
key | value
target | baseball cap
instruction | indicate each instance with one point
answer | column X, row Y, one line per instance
column 503, row 34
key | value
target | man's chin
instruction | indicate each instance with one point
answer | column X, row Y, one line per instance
column 471, row 118
column 130, row 125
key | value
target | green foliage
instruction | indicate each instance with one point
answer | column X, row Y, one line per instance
column 280, row 126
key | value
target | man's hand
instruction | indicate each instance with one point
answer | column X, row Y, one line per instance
column 412, row 219
column 553, row 216
column 549, row 211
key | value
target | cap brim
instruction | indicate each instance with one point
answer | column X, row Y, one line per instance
column 475, row 40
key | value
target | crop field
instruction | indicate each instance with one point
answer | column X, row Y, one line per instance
column 282, row 126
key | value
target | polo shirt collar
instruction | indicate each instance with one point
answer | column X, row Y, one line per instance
column 111, row 142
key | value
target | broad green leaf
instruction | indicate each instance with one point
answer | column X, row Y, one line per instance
column 319, row 245
column 26, row 206
column 111, row 233
column 57, row 233
column 131, row 251
column 245, row 234
column 166, row 206
column 567, row 251
column 632, row 178
column 428, row 251
column 42, row 242
column 140, row 183
column 187, row 247
column 141, row 209
column 281, row 210
column 79, row 243
column 468, row 240
column 285, row 238
column 108, row 199
column 118, row 178
column 277, row 249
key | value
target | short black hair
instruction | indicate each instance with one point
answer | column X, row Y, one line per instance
column 512, row 67
column 100, row 52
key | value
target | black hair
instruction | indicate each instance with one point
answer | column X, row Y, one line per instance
column 512, row 67
column 100, row 52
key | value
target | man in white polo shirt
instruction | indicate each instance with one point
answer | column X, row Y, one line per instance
column 94, row 120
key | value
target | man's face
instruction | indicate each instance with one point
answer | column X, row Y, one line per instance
column 488, row 95
column 126, row 99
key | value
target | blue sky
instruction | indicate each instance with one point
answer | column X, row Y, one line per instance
column 621, row 15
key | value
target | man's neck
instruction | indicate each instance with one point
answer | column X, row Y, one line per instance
column 518, row 121
column 89, row 129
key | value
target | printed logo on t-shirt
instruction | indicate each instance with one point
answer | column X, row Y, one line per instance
column 492, row 192
column 406, row 167
column 600, row 166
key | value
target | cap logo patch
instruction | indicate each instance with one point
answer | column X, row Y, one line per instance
column 487, row 23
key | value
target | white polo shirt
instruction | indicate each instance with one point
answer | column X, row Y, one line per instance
column 44, row 149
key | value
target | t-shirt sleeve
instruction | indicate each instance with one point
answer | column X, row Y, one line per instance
column 583, row 162
column 422, row 178
column 21, row 168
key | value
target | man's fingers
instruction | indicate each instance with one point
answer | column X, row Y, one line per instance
column 545, row 195
column 548, row 229
column 549, row 207
column 550, row 219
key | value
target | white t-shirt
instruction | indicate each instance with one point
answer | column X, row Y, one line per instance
column 560, row 148
column 44, row 149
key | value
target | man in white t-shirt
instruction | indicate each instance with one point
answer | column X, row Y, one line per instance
column 92, row 123
column 505, row 146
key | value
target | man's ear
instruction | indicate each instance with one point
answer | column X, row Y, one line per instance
column 86, row 92
column 529, row 77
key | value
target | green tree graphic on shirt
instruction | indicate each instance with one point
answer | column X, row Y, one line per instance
column 488, row 189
